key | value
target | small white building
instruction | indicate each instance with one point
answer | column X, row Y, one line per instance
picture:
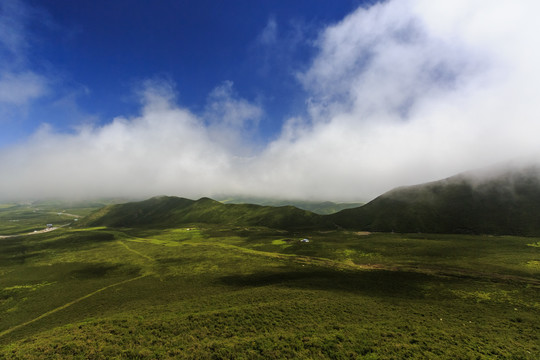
column 304, row 240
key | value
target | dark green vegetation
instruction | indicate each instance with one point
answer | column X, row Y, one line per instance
column 166, row 212
column 321, row 208
column 213, row 291
column 504, row 203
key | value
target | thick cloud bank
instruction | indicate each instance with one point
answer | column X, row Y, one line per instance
column 401, row 92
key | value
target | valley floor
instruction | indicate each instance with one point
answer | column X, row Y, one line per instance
column 202, row 292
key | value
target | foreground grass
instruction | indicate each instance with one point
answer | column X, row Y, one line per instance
column 259, row 293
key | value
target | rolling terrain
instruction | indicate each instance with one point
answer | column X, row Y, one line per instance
column 209, row 291
column 496, row 202
column 166, row 212
column 492, row 201
column 173, row 278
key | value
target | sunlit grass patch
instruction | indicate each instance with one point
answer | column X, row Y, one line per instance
column 30, row 287
column 356, row 256
column 95, row 228
column 153, row 241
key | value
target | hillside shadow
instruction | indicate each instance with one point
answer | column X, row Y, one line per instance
column 377, row 283
column 103, row 270
column 12, row 252
column 76, row 240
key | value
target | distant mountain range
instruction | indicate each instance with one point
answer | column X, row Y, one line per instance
column 321, row 208
column 499, row 200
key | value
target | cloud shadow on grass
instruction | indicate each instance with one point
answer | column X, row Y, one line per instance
column 378, row 283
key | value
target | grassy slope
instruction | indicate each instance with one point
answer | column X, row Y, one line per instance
column 212, row 292
column 155, row 211
column 506, row 204
column 166, row 212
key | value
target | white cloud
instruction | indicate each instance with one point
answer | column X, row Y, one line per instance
column 165, row 150
column 226, row 108
column 19, row 84
column 231, row 120
column 403, row 92
column 20, row 88
column 269, row 34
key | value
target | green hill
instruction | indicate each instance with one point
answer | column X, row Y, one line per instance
column 165, row 212
column 487, row 202
column 492, row 201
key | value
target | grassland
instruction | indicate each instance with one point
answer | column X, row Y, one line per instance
column 18, row 218
column 213, row 292
column 504, row 204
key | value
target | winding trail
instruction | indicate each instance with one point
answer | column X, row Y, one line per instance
column 16, row 327
column 135, row 251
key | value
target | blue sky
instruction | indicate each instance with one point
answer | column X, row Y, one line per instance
column 97, row 53
column 313, row 99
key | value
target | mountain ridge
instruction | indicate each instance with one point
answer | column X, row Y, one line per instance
column 318, row 207
column 490, row 201
column 170, row 211
column 503, row 202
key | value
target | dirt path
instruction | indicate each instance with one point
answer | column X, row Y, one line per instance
column 135, row 251
column 66, row 214
column 34, row 232
column 16, row 327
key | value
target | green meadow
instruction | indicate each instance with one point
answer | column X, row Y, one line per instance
column 223, row 292
column 25, row 218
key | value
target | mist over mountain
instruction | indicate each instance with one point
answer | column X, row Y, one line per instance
column 496, row 200
column 500, row 200
column 321, row 208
